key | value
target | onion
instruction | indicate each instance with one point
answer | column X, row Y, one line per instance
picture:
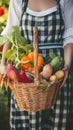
column 47, row 71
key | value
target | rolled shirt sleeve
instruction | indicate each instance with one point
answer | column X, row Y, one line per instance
column 14, row 15
column 68, row 20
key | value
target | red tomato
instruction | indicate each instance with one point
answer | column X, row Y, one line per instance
column 2, row 11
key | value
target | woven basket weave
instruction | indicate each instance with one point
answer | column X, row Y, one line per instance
column 31, row 96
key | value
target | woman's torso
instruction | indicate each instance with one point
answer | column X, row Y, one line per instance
column 50, row 26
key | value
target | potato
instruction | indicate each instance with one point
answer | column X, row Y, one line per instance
column 47, row 71
column 59, row 74
column 53, row 78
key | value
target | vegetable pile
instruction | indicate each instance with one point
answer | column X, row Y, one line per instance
column 20, row 61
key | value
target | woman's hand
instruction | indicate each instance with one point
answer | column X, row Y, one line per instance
column 66, row 71
column 68, row 51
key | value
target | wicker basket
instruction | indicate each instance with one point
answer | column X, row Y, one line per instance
column 31, row 96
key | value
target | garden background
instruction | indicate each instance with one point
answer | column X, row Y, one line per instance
column 4, row 111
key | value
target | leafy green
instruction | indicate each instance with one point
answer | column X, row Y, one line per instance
column 10, row 54
column 19, row 45
column 13, row 36
column 4, row 40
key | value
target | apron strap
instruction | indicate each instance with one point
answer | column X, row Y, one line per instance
column 58, row 1
column 24, row 5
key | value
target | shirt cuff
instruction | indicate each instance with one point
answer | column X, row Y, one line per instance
column 68, row 36
column 68, row 32
column 67, row 41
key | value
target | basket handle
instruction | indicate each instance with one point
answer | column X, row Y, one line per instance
column 35, row 46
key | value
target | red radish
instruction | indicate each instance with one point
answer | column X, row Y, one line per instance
column 12, row 72
column 23, row 77
column 47, row 71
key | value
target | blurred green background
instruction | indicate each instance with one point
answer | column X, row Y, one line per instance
column 4, row 4
column 4, row 108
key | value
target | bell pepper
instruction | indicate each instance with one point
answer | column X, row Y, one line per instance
column 30, row 65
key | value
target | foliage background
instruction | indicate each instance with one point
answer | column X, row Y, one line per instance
column 4, row 113
column 3, row 18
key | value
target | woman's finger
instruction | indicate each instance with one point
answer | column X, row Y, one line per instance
column 66, row 68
